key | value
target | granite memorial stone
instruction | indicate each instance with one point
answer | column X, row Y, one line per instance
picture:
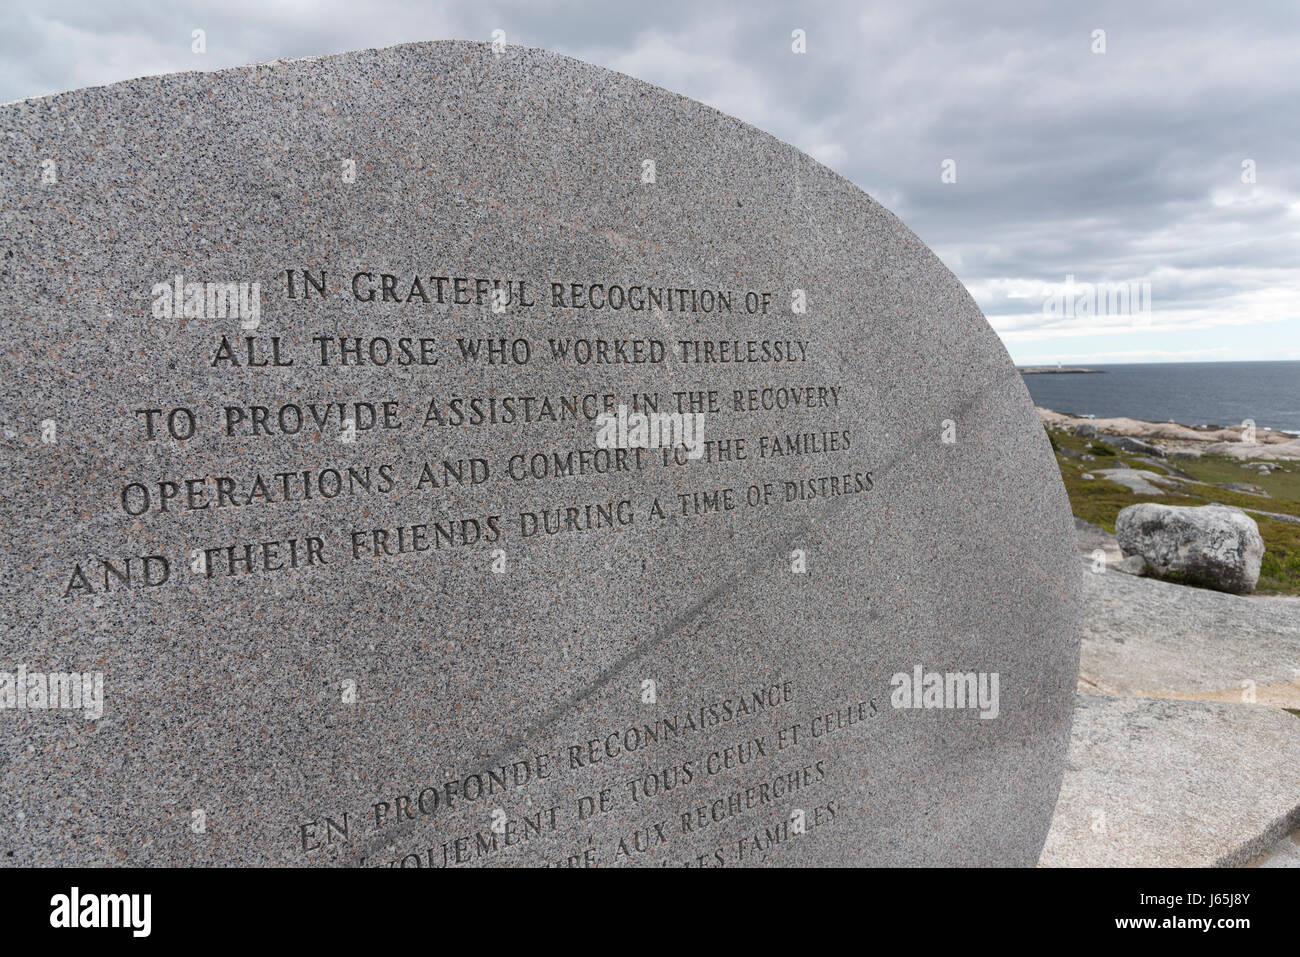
column 435, row 456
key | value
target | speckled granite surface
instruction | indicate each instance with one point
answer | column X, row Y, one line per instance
column 343, row 697
column 1145, row 638
column 1155, row 782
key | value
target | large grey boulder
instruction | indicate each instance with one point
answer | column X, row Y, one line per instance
column 1212, row 546
column 1087, row 430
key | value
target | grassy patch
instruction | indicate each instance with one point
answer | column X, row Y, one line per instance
column 1100, row 501
column 1281, row 484
column 1279, row 573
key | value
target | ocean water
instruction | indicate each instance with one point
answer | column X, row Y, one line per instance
column 1190, row 393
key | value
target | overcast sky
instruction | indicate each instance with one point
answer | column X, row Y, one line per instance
column 1123, row 166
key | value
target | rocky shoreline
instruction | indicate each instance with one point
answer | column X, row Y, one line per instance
column 1170, row 437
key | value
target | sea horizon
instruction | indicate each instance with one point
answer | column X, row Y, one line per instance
column 1265, row 392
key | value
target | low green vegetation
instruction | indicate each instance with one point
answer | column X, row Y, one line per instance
column 1281, row 483
column 1099, row 501
column 1279, row 573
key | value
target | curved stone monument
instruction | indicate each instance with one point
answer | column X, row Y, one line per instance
column 435, row 456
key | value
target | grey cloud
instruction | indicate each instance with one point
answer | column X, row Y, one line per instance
column 1106, row 166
